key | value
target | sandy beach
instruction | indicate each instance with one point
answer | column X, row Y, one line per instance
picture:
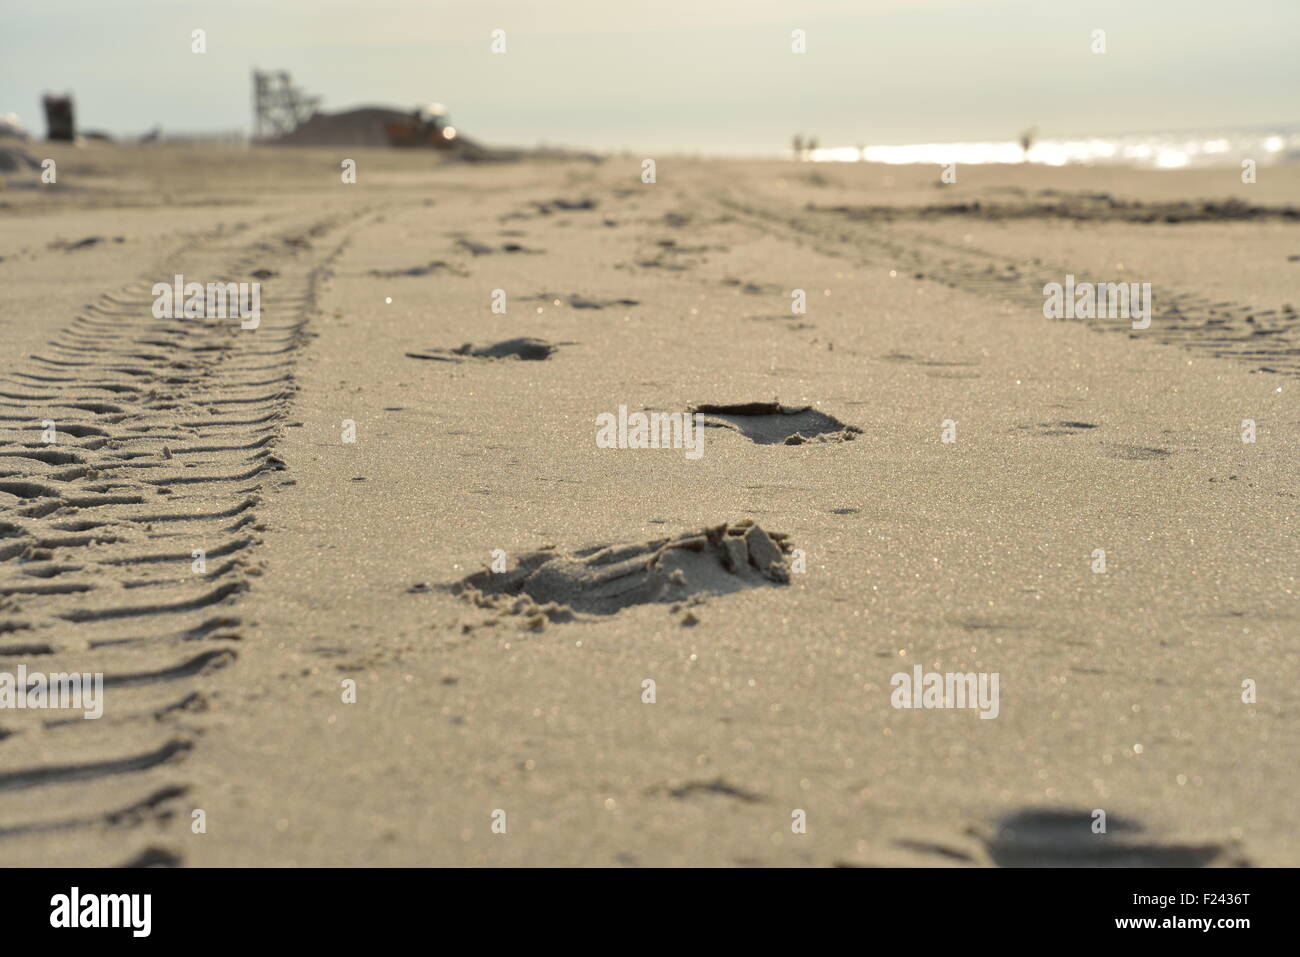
column 434, row 622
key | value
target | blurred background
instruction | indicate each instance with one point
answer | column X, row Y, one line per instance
column 691, row 76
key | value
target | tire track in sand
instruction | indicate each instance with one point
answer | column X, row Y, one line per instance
column 165, row 437
column 1268, row 340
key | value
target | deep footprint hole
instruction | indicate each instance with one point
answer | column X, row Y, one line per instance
column 770, row 423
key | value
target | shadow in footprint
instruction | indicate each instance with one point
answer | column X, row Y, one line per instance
column 1042, row 837
column 1057, row 428
column 582, row 302
column 578, row 301
column 770, row 423
column 523, row 348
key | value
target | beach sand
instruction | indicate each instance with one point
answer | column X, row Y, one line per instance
column 332, row 566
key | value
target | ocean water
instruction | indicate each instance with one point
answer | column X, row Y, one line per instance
column 1173, row 150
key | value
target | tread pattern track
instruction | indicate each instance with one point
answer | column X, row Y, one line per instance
column 1268, row 340
column 165, row 441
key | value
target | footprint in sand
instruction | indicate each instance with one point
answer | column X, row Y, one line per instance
column 434, row 268
column 548, row 207
column 523, row 348
column 605, row 579
column 718, row 786
column 770, row 423
column 482, row 249
column 753, row 288
column 1056, row 428
column 578, row 301
column 567, row 204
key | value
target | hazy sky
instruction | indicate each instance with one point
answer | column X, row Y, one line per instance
column 694, row 75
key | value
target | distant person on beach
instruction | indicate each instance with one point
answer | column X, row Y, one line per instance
column 1027, row 140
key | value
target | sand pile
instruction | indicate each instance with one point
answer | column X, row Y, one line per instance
column 364, row 126
column 359, row 127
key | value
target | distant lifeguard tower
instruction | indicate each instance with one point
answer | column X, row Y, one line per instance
column 279, row 107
